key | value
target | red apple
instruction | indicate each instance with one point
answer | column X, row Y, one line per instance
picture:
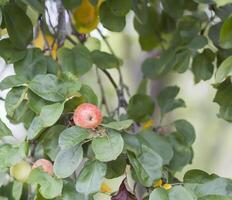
column 46, row 165
column 87, row 115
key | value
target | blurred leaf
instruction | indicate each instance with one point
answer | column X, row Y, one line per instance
column 19, row 26
column 109, row 20
column 108, row 147
column 120, row 7
column 180, row 193
column 50, row 141
column 73, row 136
column 142, row 88
column 105, row 60
column 91, row 177
column 185, row 131
column 12, row 81
column 48, row 116
column 205, row 1
column 50, row 187
column 225, row 34
column 198, row 42
column 9, row 52
column 17, row 190
column 69, row 191
column 159, row 194
column 224, row 70
column 10, row 155
column 157, row 143
column 76, row 60
column 202, row 65
column 67, row 161
column 4, row 130
column 140, row 107
column 175, row 10
column 225, row 113
column 32, row 64
column 88, row 94
column 167, row 99
column 14, row 98
column 70, row 4
column 119, row 125
column 147, row 166
column 182, row 62
column 116, row 167
column 223, row 95
column 37, row 5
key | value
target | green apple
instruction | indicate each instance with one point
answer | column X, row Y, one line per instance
column 21, row 171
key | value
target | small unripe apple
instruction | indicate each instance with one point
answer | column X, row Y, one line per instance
column 21, row 171
column 87, row 115
column 46, row 165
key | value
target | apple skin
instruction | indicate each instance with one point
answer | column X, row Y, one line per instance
column 21, row 171
column 46, row 165
column 87, row 115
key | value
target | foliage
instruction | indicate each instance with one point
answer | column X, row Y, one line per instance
column 47, row 87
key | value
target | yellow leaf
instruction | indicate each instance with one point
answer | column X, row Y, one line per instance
column 158, row 183
column 86, row 16
column 167, row 186
column 148, row 124
column 46, row 42
column 105, row 188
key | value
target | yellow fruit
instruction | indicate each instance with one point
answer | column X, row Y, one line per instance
column 46, row 42
column 21, row 171
column 86, row 16
column 105, row 188
column 167, row 186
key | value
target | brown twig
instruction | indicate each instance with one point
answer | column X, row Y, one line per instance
column 103, row 96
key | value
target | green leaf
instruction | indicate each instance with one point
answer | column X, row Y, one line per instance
column 88, row 95
column 198, row 42
column 50, row 187
column 91, row 177
column 105, row 60
column 153, row 68
column 108, row 147
column 215, row 197
column 179, row 193
column 174, row 10
column 48, row 116
column 50, row 141
column 224, row 70
column 9, row 52
column 120, row 7
column 167, row 99
column 32, row 64
column 140, row 107
column 182, row 62
column 37, row 5
column 198, row 176
column 223, row 95
column 109, row 20
column 4, row 130
column 10, row 155
column 17, row 190
column 69, row 191
column 202, row 65
column 12, row 81
column 147, row 166
column 225, row 113
column 120, row 125
column 76, row 60
column 46, row 86
column 159, row 194
column 225, row 33
column 19, row 26
column 185, row 131
column 205, row 1
column 157, row 143
column 67, row 161
column 70, row 4
column 13, row 99
column 116, row 167
column 72, row 136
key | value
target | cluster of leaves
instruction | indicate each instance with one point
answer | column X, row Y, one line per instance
column 46, row 89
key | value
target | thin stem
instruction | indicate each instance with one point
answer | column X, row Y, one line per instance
column 103, row 96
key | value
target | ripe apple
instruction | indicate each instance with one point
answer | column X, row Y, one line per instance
column 21, row 171
column 46, row 165
column 87, row 115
